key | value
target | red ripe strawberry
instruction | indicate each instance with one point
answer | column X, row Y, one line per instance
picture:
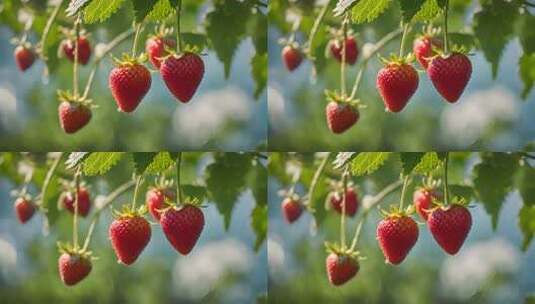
column 129, row 234
column 73, row 116
column 450, row 227
column 24, row 209
column 450, row 75
column 351, row 199
column 182, row 75
column 341, row 268
column 397, row 234
column 73, row 268
column 292, row 57
column 24, row 57
column 291, row 209
column 423, row 49
column 423, row 201
column 340, row 116
column 155, row 48
column 182, row 227
column 397, row 82
column 84, row 50
column 129, row 83
column 156, row 201
column 84, row 202
column 352, row 51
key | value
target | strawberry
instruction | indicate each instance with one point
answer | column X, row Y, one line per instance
column 292, row 57
column 336, row 201
column 423, row 200
column 73, row 115
column 156, row 201
column 341, row 268
column 129, row 233
column 397, row 82
column 352, row 51
column 129, row 82
column 182, row 226
column 84, row 202
column 397, row 233
column 73, row 267
column 155, row 48
column 24, row 57
column 68, row 47
column 423, row 49
column 450, row 75
column 182, row 75
column 291, row 209
column 450, row 226
column 341, row 116
column 24, row 209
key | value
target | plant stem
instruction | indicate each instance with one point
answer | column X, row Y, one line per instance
column 404, row 39
column 446, row 44
column 134, row 199
column 75, row 218
column 178, row 34
column 75, row 65
column 315, row 180
column 364, row 64
column 295, row 27
column 108, row 200
column 109, row 47
column 48, row 178
column 47, row 28
column 136, row 38
column 178, row 190
column 344, row 59
column 295, row 179
column 403, row 190
column 316, row 26
column 377, row 199
column 446, row 190
column 345, row 177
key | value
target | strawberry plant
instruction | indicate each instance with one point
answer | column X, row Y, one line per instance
column 183, row 191
column 410, row 205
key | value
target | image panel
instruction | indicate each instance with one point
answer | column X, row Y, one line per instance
column 148, row 75
column 407, row 82
column 109, row 227
column 381, row 227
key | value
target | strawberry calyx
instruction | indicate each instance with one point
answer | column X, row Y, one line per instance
column 162, row 31
column 70, row 33
column 186, row 49
column 333, row 96
column 456, row 201
column 22, row 42
column 188, row 202
column 127, row 60
column 343, row 251
column 338, row 34
column 395, row 212
column 129, row 212
column 396, row 60
column 69, row 249
column 67, row 96
column 455, row 49
column 430, row 184
column 338, row 186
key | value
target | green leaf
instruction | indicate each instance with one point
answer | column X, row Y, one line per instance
column 429, row 163
column 527, row 34
column 259, row 223
column 343, row 158
column 100, row 10
column 192, row 192
column 428, row 11
column 527, row 73
column 142, row 8
column 258, row 183
column 226, row 28
column 369, row 10
column 465, row 192
column 493, row 178
column 142, row 160
column 225, row 180
column 194, row 40
column 466, row 41
column 526, row 185
column 526, row 221
column 75, row 6
column 410, row 8
column 259, row 65
column 492, row 35
column 98, row 163
column 75, row 159
column 160, row 11
column 161, row 162
column 342, row 6
column 409, row 160
column 368, row 162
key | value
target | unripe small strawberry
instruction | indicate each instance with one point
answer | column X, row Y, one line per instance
column 340, row 116
column 129, row 234
column 397, row 234
column 24, row 57
column 291, row 209
column 84, row 202
column 84, row 50
column 450, row 75
column 291, row 57
column 73, row 116
column 341, row 268
column 352, row 51
column 129, row 82
column 24, row 209
column 450, row 226
column 336, row 201
column 182, row 75
column 182, row 227
column 423, row 49
column 397, row 82
column 73, row 268
column 156, row 49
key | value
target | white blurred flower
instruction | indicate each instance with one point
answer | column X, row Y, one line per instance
column 8, row 104
column 210, row 263
column 462, row 276
column 464, row 122
column 8, row 258
column 197, row 122
column 276, row 256
column 276, row 106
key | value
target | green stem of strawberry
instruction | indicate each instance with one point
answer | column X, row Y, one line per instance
column 178, row 34
column 134, row 199
column 405, row 27
column 47, row 28
column 136, row 38
column 106, row 202
column 364, row 64
column 345, row 177
column 295, row 179
column 75, row 217
column 178, row 189
column 403, row 191
column 47, row 180
column 446, row 44
column 314, row 182
column 343, row 64
column 446, row 190
column 75, row 65
column 316, row 27
column 376, row 200
column 295, row 27
column 27, row 179
column 107, row 49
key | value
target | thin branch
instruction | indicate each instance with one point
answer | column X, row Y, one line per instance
column 316, row 26
column 47, row 28
column 315, row 180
